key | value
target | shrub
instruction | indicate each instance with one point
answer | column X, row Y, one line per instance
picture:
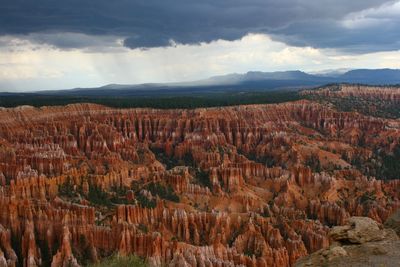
column 67, row 189
column 203, row 178
column 165, row 192
column 121, row 261
column 144, row 202
column 98, row 197
column 391, row 165
column 313, row 162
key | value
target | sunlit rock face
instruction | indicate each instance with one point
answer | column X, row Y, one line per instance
column 256, row 185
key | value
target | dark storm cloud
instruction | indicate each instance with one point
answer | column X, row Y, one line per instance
column 159, row 23
column 383, row 36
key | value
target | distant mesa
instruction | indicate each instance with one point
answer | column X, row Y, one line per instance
column 250, row 81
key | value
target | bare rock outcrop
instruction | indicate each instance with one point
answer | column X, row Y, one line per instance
column 360, row 242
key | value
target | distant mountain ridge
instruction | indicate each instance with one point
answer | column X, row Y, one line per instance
column 381, row 76
column 374, row 76
column 252, row 80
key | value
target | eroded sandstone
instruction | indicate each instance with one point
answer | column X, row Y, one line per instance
column 256, row 185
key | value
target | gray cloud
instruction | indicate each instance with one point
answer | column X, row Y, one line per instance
column 383, row 36
column 160, row 23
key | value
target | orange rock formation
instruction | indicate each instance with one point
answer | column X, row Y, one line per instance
column 257, row 185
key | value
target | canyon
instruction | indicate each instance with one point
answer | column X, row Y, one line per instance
column 252, row 185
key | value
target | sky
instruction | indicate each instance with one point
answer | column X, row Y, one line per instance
column 48, row 44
